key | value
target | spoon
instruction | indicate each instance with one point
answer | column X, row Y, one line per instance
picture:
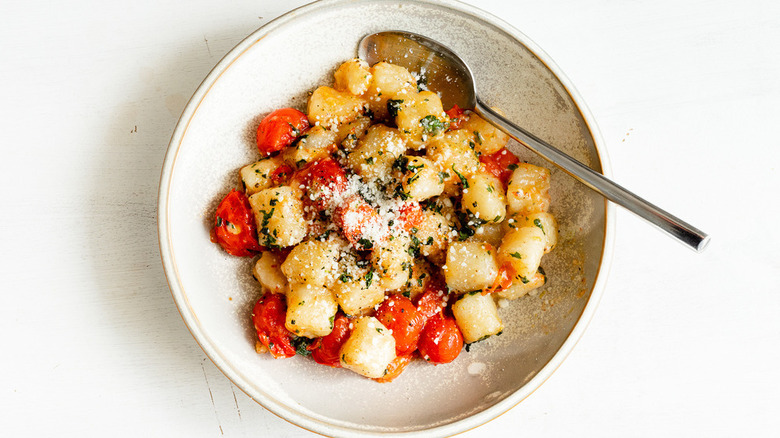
column 446, row 73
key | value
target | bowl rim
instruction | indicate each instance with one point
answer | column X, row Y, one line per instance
column 279, row 409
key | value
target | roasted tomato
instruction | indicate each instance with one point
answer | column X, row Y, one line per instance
column 441, row 339
column 325, row 350
column 501, row 164
column 503, row 279
column 396, row 367
column 268, row 318
column 280, row 129
column 456, row 116
column 234, row 226
column 433, row 299
column 360, row 223
column 323, row 181
column 281, row 174
column 411, row 215
column 398, row 314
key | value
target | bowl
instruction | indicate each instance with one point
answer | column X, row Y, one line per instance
column 275, row 67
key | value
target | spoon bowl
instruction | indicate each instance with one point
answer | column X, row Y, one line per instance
column 441, row 70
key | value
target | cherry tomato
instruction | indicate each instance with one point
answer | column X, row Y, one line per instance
column 411, row 215
column 432, row 300
column 234, row 226
column 268, row 318
column 396, row 367
column 500, row 164
column 280, row 129
column 398, row 314
column 441, row 339
column 281, row 174
column 456, row 117
column 360, row 224
column 324, row 182
column 325, row 350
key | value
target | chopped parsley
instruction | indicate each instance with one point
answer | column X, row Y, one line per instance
column 432, row 126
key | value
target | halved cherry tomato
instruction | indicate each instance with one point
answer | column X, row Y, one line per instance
column 360, row 223
column 268, row 317
column 234, row 226
column 281, row 174
column 410, row 215
column 398, row 314
column 324, row 181
column 456, row 116
column 441, row 339
column 325, row 350
column 432, row 300
column 500, row 164
column 396, row 367
column 503, row 279
column 280, row 129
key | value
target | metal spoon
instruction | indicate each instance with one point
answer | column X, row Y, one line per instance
column 448, row 74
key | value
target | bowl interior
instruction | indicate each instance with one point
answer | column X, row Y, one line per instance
column 276, row 67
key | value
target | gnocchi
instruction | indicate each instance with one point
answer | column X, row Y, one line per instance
column 384, row 227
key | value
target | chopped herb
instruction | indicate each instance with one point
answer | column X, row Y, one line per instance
column 516, row 255
column 462, row 178
column 478, row 137
column 432, row 126
column 369, row 276
column 538, row 223
column 370, row 160
column 219, row 221
column 512, row 166
column 379, row 330
column 393, row 105
column 345, row 277
column 443, row 176
column 524, row 280
column 365, row 243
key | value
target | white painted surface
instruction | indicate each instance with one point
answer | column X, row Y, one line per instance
column 685, row 94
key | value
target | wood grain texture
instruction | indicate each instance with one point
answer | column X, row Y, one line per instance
column 685, row 94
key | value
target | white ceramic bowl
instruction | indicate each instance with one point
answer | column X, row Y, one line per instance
column 275, row 67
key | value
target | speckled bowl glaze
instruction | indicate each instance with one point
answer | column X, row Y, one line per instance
column 215, row 292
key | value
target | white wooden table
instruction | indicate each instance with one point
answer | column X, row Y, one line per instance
column 686, row 94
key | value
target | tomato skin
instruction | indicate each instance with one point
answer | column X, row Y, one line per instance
column 268, row 317
column 280, row 129
column 456, row 115
column 396, row 367
column 360, row 223
column 234, row 226
column 503, row 279
column 441, row 339
column 500, row 164
column 325, row 350
column 398, row 314
column 324, row 181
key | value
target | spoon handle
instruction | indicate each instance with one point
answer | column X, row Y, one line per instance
column 675, row 227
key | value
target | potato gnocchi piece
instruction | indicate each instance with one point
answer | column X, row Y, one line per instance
column 419, row 116
column 329, row 107
column 268, row 271
column 434, row 235
column 353, row 76
column 477, row 317
column 317, row 143
column 392, row 262
column 454, row 155
column 483, row 197
column 258, row 175
column 421, row 179
column 313, row 262
column 359, row 293
column 487, row 138
column 388, row 81
column 523, row 249
column 279, row 216
column 528, row 190
column 470, row 266
column 310, row 310
column 545, row 221
column 376, row 151
column 369, row 349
